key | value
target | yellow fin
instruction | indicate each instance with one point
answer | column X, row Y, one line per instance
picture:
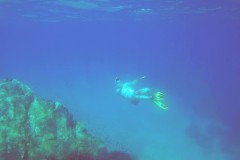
column 158, row 100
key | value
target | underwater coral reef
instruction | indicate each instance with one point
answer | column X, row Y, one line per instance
column 33, row 128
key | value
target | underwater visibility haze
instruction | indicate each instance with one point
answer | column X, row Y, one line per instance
column 71, row 51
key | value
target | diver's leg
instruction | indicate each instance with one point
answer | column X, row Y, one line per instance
column 143, row 91
column 143, row 97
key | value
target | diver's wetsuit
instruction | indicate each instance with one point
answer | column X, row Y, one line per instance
column 126, row 90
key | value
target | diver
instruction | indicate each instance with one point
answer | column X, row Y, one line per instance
column 126, row 90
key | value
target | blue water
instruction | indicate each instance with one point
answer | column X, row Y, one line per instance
column 71, row 52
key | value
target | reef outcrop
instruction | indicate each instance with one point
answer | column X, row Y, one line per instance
column 32, row 128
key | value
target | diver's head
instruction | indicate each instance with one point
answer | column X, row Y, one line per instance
column 117, row 80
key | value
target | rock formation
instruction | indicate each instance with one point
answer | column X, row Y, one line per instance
column 32, row 128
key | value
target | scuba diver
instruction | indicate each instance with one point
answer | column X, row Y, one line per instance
column 126, row 90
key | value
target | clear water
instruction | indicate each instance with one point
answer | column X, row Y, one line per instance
column 71, row 51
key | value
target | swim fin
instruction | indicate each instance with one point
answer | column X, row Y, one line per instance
column 158, row 100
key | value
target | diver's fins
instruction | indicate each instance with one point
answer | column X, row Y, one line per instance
column 158, row 100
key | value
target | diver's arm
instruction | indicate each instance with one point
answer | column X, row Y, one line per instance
column 135, row 81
